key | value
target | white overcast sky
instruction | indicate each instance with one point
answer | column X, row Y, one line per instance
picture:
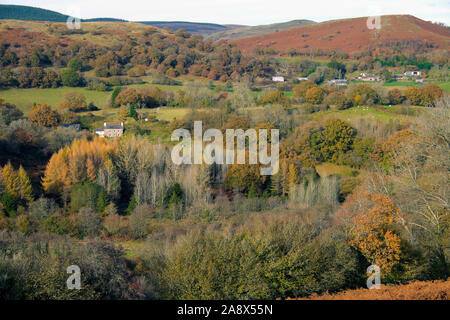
column 248, row 12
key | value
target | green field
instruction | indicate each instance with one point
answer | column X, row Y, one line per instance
column 444, row 85
column 355, row 112
column 401, row 84
column 24, row 98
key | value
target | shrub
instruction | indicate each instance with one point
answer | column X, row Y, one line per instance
column 336, row 100
column 268, row 258
column 70, row 78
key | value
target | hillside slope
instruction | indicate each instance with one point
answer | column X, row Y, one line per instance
column 27, row 13
column 250, row 31
column 192, row 27
column 352, row 35
column 419, row 290
column 30, row 13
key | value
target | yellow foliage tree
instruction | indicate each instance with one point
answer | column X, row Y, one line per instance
column 372, row 231
column 17, row 183
column 76, row 163
column 44, row 116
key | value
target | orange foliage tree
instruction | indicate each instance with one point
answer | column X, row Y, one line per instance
column 76, row 164
column 44, row 116
column 371, row 219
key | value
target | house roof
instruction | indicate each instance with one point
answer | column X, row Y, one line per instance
column 113, row 126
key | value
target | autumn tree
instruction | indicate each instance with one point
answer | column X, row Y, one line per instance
column 16, row 183
column 414, row 95
column 127, row 96
column 43, row 115
column 362, row 94
column 275, row 97
column 371, row 220
column 241, row 177
column 336, row 100
column 395, row 96
column 333, row 140
column 430, row 94
column 314, row 95
column 73, row 101
column 9, row 112
column 76, row 164
column 300, row 89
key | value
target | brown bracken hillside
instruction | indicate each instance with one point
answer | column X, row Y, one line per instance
column 353, row 35
column 419, row 290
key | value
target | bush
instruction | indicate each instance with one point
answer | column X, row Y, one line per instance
column 336, row 101
column 89, row 223
column 88, row 195
column 268, row 258
column 70, row 78
column 37, row 270
column 139, row 220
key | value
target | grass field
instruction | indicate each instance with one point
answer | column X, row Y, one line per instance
column 444, row 85
column 326, row 169
column 367, row 112
column 130, row 247
column 401, row 84
column 24, row 98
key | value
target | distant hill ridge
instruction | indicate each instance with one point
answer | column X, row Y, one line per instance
column 249, row 31
column 216, row 31
column 352, row 35
column 27, row 13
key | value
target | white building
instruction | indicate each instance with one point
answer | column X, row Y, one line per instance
column 413, row 73
column 368, row 77
column 302, row 79
column 278, row 79
column 338, row 82
column 110, row 131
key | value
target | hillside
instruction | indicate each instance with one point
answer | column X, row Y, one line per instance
column 352, row 35
column 27, row 13
column 419, row 290
column 250, row 31
column 192, row 27
column 30, row 13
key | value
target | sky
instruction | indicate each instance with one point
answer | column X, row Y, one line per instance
column 247, row 12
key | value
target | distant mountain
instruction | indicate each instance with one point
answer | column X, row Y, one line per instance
column 353, row 35
column 192, row 27
column 15, row 12
column 27, row 13
column 239, row 32
column 30, row 13
column 104, row 20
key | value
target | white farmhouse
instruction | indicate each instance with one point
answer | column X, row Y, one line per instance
column 278, row 79
column 413, row 73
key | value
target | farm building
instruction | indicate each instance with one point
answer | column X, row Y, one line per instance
column 110, row 131
column 368, row 77
column 278, row 79
column 413, row 73
column 302, row 79
column 338, row 82
column 398, row 77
